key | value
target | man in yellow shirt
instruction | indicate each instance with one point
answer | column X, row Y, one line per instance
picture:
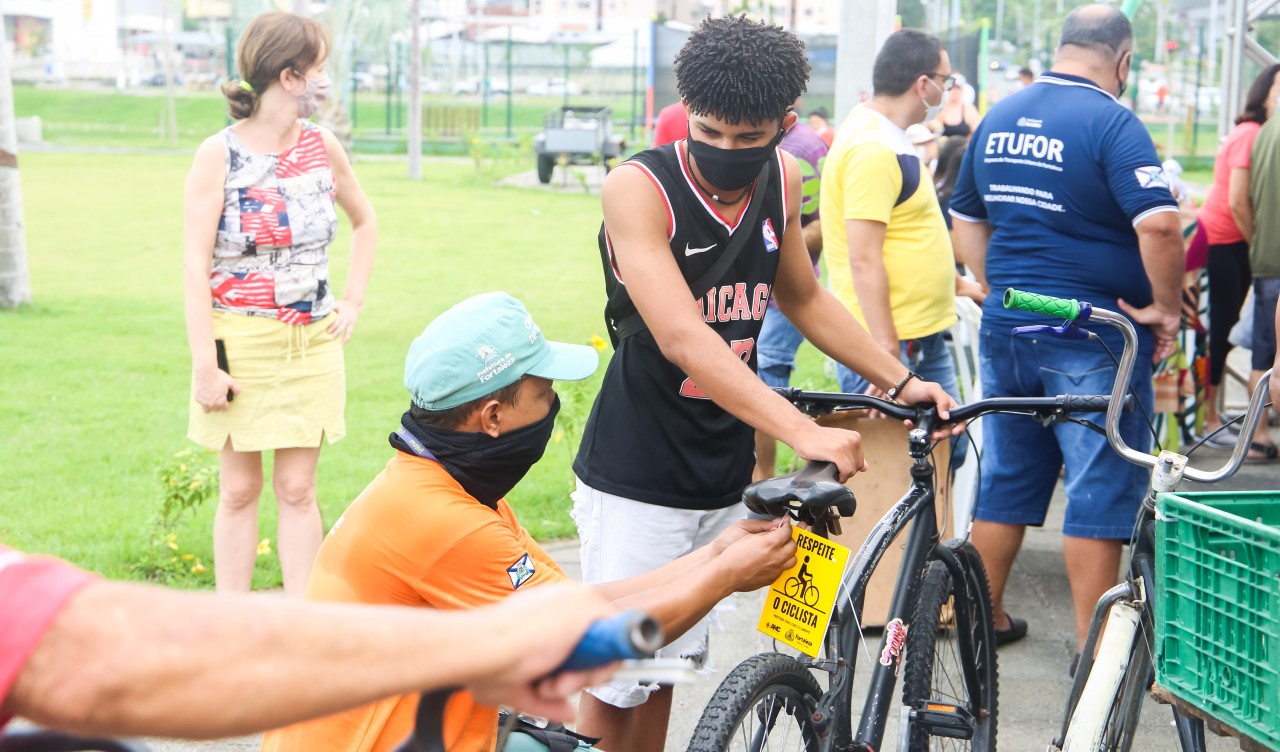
column 878, row 202
column 434, row 529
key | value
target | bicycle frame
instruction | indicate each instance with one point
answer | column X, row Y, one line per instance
column 844, row 634
column 831, row 713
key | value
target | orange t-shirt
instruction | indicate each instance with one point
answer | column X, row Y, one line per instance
column 415, row 538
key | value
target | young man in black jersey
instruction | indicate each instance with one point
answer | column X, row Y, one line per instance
column 667, row 449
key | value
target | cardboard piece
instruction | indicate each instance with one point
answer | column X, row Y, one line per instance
column 884, row 443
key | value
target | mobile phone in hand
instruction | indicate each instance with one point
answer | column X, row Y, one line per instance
column 221, row 348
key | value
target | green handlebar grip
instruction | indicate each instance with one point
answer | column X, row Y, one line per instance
column 1029, row 301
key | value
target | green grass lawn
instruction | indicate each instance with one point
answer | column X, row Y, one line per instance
column 96, row 371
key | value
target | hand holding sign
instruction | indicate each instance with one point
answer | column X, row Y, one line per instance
column 798, row 608
column 755, row 559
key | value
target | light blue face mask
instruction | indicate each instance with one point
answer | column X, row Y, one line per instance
column 932, row 111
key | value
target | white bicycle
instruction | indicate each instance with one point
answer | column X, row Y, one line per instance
column 1107, row 696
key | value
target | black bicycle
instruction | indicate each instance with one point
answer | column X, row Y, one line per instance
column 940, row 633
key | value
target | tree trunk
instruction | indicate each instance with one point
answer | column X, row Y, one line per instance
column 15, row 285
column 415, row 89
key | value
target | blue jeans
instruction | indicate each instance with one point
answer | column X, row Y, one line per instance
column 1265, row 292
column 1021, row 458
column 776, row 348
column 931, row 359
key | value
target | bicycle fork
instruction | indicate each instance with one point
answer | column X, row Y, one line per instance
column 1094, row 691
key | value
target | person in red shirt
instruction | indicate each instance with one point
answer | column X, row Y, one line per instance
column 819, row 121
column 90, row 656
column 672, row 124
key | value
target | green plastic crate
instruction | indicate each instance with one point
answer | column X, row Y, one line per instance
column 1218, row 606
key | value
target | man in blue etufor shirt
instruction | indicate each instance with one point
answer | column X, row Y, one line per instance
column 1061, row 193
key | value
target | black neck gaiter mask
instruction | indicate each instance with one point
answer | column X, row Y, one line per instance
column 485, row 467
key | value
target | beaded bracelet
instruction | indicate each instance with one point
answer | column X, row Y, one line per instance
column 894, row 392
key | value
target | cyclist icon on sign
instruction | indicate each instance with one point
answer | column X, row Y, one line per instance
column 801, row 586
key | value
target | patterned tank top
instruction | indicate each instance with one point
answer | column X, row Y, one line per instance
column 271, row 256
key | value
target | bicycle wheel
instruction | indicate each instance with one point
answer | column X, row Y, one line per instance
column 765, row 703
column 811, row 595
column 953, row 628
column 791, row 588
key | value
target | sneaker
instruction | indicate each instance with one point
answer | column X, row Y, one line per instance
column 1219, row 440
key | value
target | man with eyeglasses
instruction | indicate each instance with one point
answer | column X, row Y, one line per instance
column 1061, row 193
column 879, row 210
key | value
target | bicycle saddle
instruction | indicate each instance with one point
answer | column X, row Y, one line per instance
column 813, row 485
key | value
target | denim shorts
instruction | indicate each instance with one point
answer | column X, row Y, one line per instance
column 930, row 358
column 1265, row 292
column 1021, row 458
column 776, row 348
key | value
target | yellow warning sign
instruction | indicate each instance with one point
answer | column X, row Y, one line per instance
column 798, row 607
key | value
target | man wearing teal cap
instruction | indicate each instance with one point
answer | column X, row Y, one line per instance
column 434, row 530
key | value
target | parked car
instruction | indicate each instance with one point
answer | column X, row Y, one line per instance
column 473, row 85
column 555, row 87
column 429, row 85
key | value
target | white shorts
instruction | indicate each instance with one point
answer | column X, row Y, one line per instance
column 623, row 538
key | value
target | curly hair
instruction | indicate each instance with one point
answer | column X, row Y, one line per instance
column 740, row 70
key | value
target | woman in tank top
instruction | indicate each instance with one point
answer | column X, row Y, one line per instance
column 958, row 117
column 265, row 331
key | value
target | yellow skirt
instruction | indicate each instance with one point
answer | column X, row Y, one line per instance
column 292, row 386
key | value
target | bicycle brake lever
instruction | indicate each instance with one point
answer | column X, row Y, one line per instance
column 1066, row 330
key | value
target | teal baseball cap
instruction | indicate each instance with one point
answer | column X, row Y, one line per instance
column 481, row 345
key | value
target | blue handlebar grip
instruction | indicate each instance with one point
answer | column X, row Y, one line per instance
column 630, row 634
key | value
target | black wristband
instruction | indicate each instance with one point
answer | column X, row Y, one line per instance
column 894, row 392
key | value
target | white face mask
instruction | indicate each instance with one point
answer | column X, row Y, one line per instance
column 316, row 92
column 932, row 111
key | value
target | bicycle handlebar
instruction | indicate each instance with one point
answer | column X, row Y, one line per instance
column 1037, row 406
column 1077, row 313
column 1050, row 306
column 630, row 634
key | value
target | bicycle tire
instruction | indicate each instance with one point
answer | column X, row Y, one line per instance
column 934, row 666
column 791, row 587
column 759, row 685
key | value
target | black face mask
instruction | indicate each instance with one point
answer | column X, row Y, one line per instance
column 1124, row 82
column 485, row 467
column 732, row 169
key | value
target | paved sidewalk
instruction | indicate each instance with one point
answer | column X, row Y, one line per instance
column 1033, row 672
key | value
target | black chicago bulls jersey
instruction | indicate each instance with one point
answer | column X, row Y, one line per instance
column 653, row 435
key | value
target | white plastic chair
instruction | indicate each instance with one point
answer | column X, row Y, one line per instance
column 964, row 349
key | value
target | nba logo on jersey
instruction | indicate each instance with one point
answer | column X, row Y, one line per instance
column 770, row 237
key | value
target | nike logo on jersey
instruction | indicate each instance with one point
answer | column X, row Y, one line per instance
column 692, row 251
